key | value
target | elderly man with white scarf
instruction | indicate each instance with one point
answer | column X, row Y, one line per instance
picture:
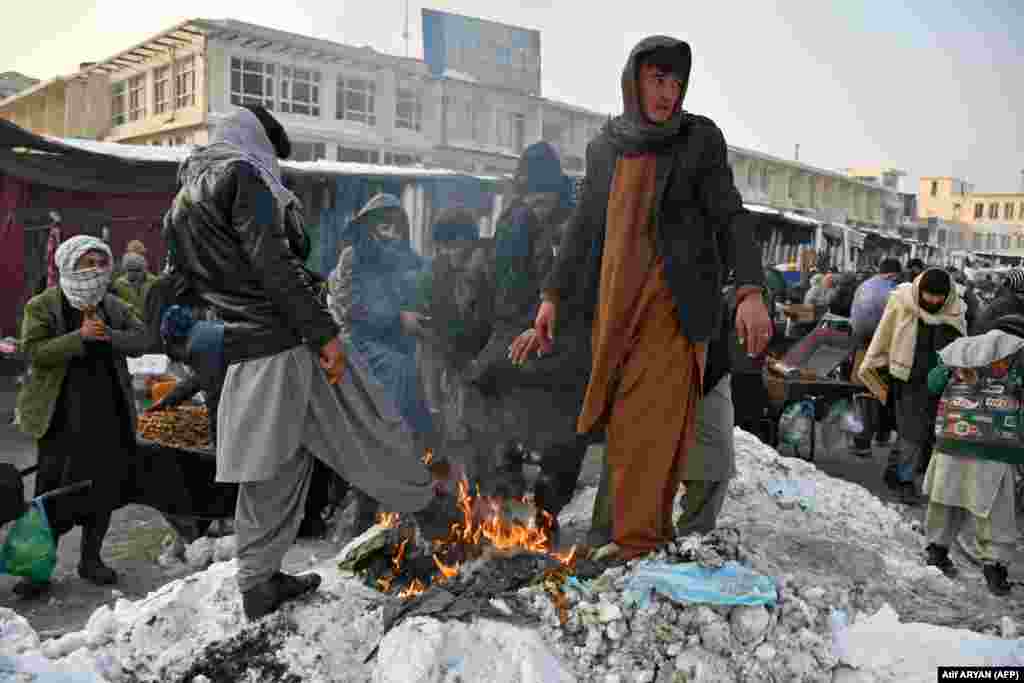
column 236, row 234
column 77, row 402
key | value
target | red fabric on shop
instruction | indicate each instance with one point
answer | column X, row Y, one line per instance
column 13, row 195
column 52, row 274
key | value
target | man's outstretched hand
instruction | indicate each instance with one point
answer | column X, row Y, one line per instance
column 541, row 339
column 332, row 360
column 753, row 324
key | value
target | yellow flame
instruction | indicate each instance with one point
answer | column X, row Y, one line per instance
column 388, row 520
column 414, row 589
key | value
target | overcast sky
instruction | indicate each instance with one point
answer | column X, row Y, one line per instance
column 926, row 89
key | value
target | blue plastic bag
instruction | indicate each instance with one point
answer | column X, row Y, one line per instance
column 801, row 489
column 30, row 549
column 732, row 584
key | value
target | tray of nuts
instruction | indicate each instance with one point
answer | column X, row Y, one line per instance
column 184, row 428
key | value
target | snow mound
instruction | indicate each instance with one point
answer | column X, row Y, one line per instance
column 836, row 556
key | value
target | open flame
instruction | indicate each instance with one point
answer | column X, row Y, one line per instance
column 388, row 520
column 483, row 524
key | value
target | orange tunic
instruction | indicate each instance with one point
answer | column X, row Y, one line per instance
column 646, row 377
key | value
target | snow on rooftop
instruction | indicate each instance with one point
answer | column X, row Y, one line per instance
column 459, row 76
column 797, row 218
column 178, row 154
column 131, row 152
column 759, row 208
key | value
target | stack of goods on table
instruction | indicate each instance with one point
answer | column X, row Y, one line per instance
column 182, row 427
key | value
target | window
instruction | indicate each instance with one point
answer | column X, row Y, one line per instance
column 408, row 109
column 185, row 83
column 935, row 188
column 161, row 89
column 1008, row 211
column 252, row 82
column 358, row 156
column 993, row 210
column 357, row 100
column 300, row 91
column 117, row 103
column 482, row 117
column 308, row 151
column 137, row 97
column 397, row 159
column 511, row 131
column 979, row 210
column 504, row 56
column 181, row 141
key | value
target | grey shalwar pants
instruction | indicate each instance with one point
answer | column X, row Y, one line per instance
column 270, row 407
column 944, row 522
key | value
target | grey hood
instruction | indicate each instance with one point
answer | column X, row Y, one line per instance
column 239, row 137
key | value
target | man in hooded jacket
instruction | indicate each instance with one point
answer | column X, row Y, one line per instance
column 236, row 234
column 658, row 226
column 920, row 319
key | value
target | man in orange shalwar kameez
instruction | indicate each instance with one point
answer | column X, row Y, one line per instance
column 658, row 227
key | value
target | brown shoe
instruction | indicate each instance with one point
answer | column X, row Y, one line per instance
column 268, row 596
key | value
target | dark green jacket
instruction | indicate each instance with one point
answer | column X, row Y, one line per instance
column 50, row 344
column 135, row 298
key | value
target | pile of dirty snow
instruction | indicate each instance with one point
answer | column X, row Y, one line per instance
column 797, row 584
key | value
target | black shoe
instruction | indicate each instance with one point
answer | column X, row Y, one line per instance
column 26, row 589
column 268, row 596
column 94, row 571
column 995, row 577
column 938, row 556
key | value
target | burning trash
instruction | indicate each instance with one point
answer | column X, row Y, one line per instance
column 389, row 558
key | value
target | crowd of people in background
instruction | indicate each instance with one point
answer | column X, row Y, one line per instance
column 603, row 323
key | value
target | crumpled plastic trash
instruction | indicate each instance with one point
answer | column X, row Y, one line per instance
column 840, row 622
column 845, row 416
column 732, row 584
column 799, row 490
column 795, row 425
column 996, row 651
column 39, row 668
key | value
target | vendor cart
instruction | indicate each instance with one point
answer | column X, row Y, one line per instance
column 817, row 384
column 180, row 482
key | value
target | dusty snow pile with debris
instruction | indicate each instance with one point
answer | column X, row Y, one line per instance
column 807, row 552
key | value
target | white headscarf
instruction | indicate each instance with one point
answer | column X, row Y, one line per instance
column 243, row 132
column 82, row 288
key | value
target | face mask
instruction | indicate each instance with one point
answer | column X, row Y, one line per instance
column 86, row 287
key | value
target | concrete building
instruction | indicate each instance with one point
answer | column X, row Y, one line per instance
column 338, row 102
column 829, row 196
column 12, row 82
